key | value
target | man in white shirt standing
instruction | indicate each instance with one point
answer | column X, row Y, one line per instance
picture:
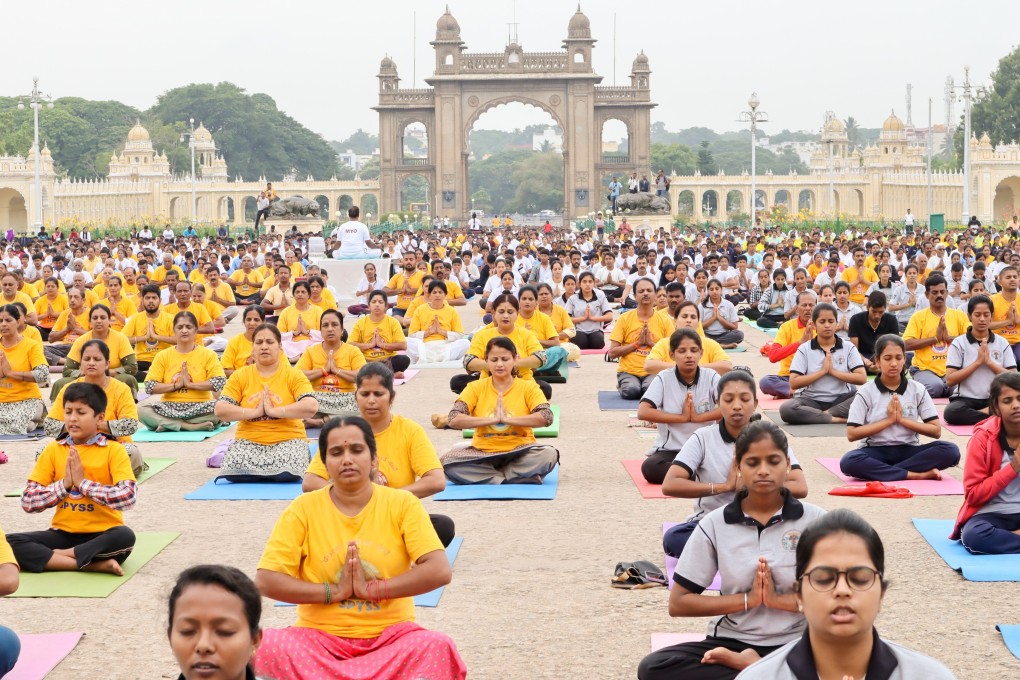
column 355, row 241
column 908, row 221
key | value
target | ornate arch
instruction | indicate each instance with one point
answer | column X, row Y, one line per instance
column 482, row 107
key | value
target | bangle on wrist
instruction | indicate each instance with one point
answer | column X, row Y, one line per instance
column 745, row 602
column 329, row 595
column 711, row 489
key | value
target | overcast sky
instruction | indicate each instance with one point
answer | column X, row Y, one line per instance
column 319, row 59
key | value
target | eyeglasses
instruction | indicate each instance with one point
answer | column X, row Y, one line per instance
column 824, row 579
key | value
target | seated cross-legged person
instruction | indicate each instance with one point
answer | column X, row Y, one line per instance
column 973, row 361
column 436, row 333
column 331, row 366
column 237, row 354
column 719, row 317
column 184, row 377
column 123, row 363
column 589, row 310
column 887, row 415
column 502, row 410
column 22, row 369
column 773, row 301
column 679, row 402
column 929, row 334
column 633, row 336
column 704, row 470
column 380, row 336
column 748, row 544
column 539, row 323
column 352, row 556
column 712, row 355
column 989, row 520
column 407, row 459
column 89, row 480
column 868, row 326
column 299, row 323
column 823, row 374
column 121, row 415
column 268, row 398
column 792, row 334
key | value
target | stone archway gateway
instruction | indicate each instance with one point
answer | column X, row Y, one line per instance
column 465, row 84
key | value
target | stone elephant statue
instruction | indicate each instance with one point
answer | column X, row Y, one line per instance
column 293, row 207
column 643, row 202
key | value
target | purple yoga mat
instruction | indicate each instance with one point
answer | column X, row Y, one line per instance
column 947, row 486
column 408, row 374
column 671, row 567
column 40, row 654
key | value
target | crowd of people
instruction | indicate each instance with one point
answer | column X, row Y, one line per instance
column 870, row 328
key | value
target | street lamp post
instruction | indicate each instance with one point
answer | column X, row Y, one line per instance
column 36, row 100
column 754, row 116
column 967, row 98
column 191, row 143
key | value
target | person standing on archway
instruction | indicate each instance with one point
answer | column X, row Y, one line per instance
column 355, row 240
column 262, row 207
column 614, row 192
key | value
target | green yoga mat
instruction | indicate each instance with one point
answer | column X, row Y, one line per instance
column 86, row 584
column 146, row 435
column 560, row 376
column 156, row 465
column 542, row 432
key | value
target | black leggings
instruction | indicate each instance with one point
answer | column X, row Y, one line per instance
column 460, row 381
column 590, row 340
column 398, row 363
column 33, row 549
column 684, row 660
column 656, row 465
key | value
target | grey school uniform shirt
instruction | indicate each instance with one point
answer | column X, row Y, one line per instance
column 810, row 357
column 963, row 351
column 871, row 405
column 668, row 392
column 889, row 661
column 708, row 457
column 729, row 542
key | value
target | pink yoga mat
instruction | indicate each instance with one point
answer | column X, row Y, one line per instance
column 947, row 486
column 595, row 351
column 408, row 374
column 671, row 566
column 962, row 430
column 769, row 403
column 646, row 490
column 40, row 654
column 660, row 640
column 941, row 401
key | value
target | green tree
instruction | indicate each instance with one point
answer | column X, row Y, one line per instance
column 853, row 130
column 360, row 142
column 370, row 170
column 495, row 174
column 539, row 180
column 706, row 161
column 481, row 200
column 674, row 157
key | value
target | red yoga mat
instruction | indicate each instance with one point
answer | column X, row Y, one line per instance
column 646, row 490
column 947, row 486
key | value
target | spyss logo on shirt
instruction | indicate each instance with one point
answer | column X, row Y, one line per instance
column 790, row 540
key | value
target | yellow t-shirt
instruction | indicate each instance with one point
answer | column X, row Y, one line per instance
column 309, row 542
column 286, row 385
column 1000, row 312
column 287, row 323
column 396, row 283
column 389, row 330
column 196, row 276
column 138, row 325
column 326, row 300
column 200, row 312
column 247, row 289
column 106, row 464
column 203, row 364
column 125, row 308
column 453, row 290
column 32, row 333
column 540, row 324
column 521, row 399
column 58, row 305
column 24, row 356
column 791, row 331
column 159, row 275
column 347, row 358
column 922, row 325
column 18, row 297
column 711, row 351
column 40, row 287
column 118, row 343
column 222, row 291
column 627, row 329
column 237, row 353
column 523, row 339
column 413, row 307
column 6, row 553
column 82, row 320
column 119, row 404
column 859, row 292
column 276, row 296
column 404, row 450
column 297, row 269
column 561, row 320
column 449, row 320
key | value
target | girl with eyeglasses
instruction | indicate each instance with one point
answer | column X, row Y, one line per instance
column 839, row 588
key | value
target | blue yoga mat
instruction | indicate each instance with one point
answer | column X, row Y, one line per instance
column 1011, row 636
column 546, row 491
column 431, row 598
column 610, row 400
column 229, row 491
column 973, row 567
column 34, row 435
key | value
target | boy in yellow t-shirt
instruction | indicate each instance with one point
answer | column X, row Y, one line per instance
column 88, row 478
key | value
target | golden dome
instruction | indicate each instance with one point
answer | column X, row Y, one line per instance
column 893, row 124
column 202, row 134
column 138, row 133
column 835, row 126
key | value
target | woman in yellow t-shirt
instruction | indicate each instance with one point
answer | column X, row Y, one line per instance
column 121, row 411
column 436, row 333
column 344, row 555
column 123, row 362
column 49, row 306
column 712, row 355
column 502, row 410
column 299, row 323
column 407, row 459
column 185, row 377
column 268, row 399
column 121, row 308
column 380, row 337
column 331, row 366
column 237, row 355
column 561, row 321
column 322, row 297
column 214, row 341
column 22, row 369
